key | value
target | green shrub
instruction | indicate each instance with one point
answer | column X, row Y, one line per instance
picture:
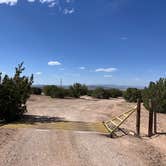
column 58, row 93
column 47, row 90
column 157, row 93
column 67, row 92
column 132, row 94
column 36, row 91
column 77, row 90
column 100, row 93
column 114, row 93
column 14, row 93
column 54, row 91
column 90, row 92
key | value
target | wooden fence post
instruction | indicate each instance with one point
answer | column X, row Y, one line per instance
column 150, row 127
column 138, row 117
column 155, row 118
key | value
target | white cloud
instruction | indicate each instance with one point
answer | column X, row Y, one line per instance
column 68, row 11
column 31, row 0
column 124, row 38
column 52, row 4
column 137, row 79
column 54, row 63
column 38, row 73
column 63, row 6
column 82, row 68
column 61, row 69
column 69, row 1
column 106, row 69
column 47, row 1
column 9, row 2
column 107, row 76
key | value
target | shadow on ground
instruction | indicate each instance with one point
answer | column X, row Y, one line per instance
column 161, row 133
column 47, row 122
column 32, row 119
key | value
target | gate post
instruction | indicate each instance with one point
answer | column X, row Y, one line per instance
column 138, row 117
column 155, row 118
column 150, row 127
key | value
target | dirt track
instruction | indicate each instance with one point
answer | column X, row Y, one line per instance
column 31, row 146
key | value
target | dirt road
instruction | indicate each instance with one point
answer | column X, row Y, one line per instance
column 44, row 146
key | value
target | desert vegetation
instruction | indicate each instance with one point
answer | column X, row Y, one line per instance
column 14, row 92
column 77, row 90
column 55, row 91
column 114, row 93
column 156, row 91
column 63, row 118
column 100, row 93
column 36, row 91
column 132, row 94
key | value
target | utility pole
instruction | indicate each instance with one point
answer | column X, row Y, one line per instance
column 61, row 82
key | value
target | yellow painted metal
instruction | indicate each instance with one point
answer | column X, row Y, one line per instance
column 112, row 125
column 68, row 125
column 107, row 127
column 119, row 119
column 113, row 122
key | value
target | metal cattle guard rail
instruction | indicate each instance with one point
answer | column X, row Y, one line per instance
column 113, row 124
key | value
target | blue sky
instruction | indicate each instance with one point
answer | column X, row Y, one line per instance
column 119, row 42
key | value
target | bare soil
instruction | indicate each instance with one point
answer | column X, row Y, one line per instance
column 28, row 145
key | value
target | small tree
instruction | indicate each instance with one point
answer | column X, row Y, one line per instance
column 36, row 91
column 14, row 93
column 114, row 93
column 54, row 91
column 156, row 91
column 58, row 92
column 132, row 94
column 90, row 92
column 78, row 90
column 48, row 89
column 100, row 93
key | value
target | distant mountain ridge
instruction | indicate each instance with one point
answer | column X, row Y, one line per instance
column 91, row 87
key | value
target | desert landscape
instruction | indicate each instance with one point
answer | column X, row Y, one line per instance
column 69, row 132
column 82, row 83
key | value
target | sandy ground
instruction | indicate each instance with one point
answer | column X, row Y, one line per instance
column 31, row 146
